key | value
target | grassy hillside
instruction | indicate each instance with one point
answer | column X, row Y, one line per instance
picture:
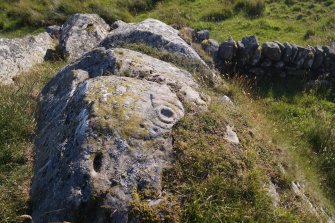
column 299, row 21
column 17, row 127
column 279, row 122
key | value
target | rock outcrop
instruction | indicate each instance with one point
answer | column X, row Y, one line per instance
column 153, row 33
column 81, row 33
column 103, row 137
column 18, row 55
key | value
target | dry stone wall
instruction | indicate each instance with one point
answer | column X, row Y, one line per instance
column 276, row 58
column 273, row 58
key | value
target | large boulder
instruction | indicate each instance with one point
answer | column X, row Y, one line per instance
column 18, row 55
column 272, row 51
column 104, row 138
column 81, row 33
column 153, row 33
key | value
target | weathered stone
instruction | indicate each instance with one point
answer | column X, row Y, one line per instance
column 242, row 54
column 153, row 33
column 210, row 46
column 309, row 61
column 54, row 31
column 250, row 43
column 287, row 52
column 295, row 51
column 188, row 34
column 231, row 136
column 279, row 65
column 300, row 59
column 281, row 46
column 202, row 35
column 266, row 63
column 305, row 58
column 18, row 55
column 255, row 59
column 117, row 24
column 81, row 33
column 104, row 135
column 227, row 100
column 228, row 49
column 272, row 51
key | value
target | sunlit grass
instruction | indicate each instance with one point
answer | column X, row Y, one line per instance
column 17, row 128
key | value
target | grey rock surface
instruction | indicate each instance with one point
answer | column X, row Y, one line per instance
column 246, row 49
column 231, row 135
column 272, row 51
column 210, row 46
column 18, row 55
column 104, row 134
column 81, row 33
column 228, row 49
column 319, row 55
column 54, row 31
column 153, row 33
column 250, row 43
column 202, row 35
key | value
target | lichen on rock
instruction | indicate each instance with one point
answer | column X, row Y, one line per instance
column 104, row 136
column 18, row 55
column 81, row 33
column 154, row 33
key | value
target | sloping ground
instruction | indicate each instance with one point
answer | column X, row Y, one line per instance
column 17, row 110
column 204, row 159
column 297, row 21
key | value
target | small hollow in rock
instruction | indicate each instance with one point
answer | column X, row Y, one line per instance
column 167, row 112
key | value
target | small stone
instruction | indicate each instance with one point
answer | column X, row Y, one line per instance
column 318, row 59
column 287, row 52
column 250, row 43
column 118, row 24
column 54, row 31
column 272, row 51
column 202, row 35
column 228, row 49
column 281, row 46
column 279, row 65
column 227, row 99
column 294, row 54
column 188, row 34
column 256, row 57
column 210, row 46
column 231, row 136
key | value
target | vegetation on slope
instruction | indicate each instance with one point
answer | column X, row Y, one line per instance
column 299, row 21
column 279, row 123
column 305, row 117
column 17, row 127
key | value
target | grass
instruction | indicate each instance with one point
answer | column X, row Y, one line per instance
column 17, row 127
column 305, row 117
column 279, row 122
column 237, row 18
column 220, row 182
